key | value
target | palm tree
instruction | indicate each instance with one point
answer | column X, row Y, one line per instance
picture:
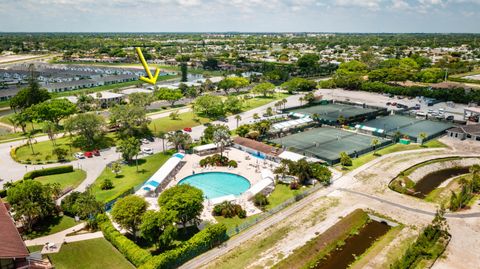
column 374, row 144
column 423, row 136
column 51, row 130
column 179, row 139
column 238, row 118
column 221, row 138
column 162, row 135
column 301, row 99
column 29, row 136
column 284, row 102
column 13, row 122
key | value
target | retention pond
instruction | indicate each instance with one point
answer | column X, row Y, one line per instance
column 431, row 181
column 354, row 246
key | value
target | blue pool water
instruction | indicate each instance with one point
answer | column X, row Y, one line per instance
column 217, row 184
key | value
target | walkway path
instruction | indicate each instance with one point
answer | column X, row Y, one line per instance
column 54, row 238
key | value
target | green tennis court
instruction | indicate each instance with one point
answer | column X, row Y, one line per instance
column 327, row 143
column 331, row 112
column 408, row 126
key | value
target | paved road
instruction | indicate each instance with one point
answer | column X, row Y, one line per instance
column 447, row 215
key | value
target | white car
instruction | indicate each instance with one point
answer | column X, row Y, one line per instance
column 79, row 155
column 144, row 141
column 148, row 151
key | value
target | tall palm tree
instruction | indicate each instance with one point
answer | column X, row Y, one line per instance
column 29, row 136
column 374, row 144
column 221, row 138
column 162, row 135
column 423, row 136
column 51, row 130
column 284, row 102
column 238, row 118
column 179, row 140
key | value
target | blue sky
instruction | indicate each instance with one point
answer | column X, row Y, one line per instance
column 240, row 15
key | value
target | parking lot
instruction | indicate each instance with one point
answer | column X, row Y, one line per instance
column 381, row 100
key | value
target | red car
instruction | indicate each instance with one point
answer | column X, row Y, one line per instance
column 96, row 152
column 187, row 129
column 88, row 154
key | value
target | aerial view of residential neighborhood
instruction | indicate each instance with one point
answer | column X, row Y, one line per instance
column 286, row 134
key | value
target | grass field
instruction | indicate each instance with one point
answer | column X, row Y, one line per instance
column 187, row 119
column 50, row 226
column 260, row 101
column 128, row 177
column 42, row 151
column 72, row 179
column 89, row 254
column 387, row 150
column 281, row 194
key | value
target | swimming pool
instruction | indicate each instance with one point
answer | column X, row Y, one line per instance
column 217, row 184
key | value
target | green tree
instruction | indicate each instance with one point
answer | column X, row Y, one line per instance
column 51, row 130
column 264, row 89
column 53, row 110
column 423, row 136
column 233, row 104
column 321, row 173
column 30, row 95
column 209, row 105
column 180, row 140
column 129, row 147
column 186, row 200
column 116, row 168
column 299, row 84
column 130, row 120
column 89, row 128
column 162, row 135
column 238, row 118
column 158, row 227
column 308, row 63
column 140, row 99
column 169, row 95
column 221, row 138
column 345, row 160
column 31, row 201
column 375, row 142
column 128, row 212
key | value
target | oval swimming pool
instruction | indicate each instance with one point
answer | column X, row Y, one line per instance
column 217, row 184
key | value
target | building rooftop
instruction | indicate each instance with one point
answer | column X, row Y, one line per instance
column 12, row 245
column 473, row 129
column 259, row 146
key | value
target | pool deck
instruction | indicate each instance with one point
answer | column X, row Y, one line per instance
column 248, row 167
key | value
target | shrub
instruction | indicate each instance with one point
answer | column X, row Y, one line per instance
column 233, row 164
column 199, row 243
column 107, row 184
column 260, row 200
column 48, row 171
column 227, row 210
column 294, row 185
column 217, row 160
column 130, row 250
column 242, row 214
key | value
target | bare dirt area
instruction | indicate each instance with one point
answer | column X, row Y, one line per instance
column 14, row 58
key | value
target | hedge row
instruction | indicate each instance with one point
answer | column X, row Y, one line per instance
column 198, row 244
column 136, row 255
column 48, row 171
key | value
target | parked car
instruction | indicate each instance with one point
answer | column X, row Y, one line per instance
column 450, row 117
column 144, row 141
column 224, row 119
column 207, row 124
column 89, row 154
column 148, row 151
column 96, row 152
column 394, row 103
column 79, row 155
column 417, row 106
column 187, row 129
column 389, row 103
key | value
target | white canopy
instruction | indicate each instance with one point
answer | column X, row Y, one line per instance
column 204, row 147
column 157, row 179
column 291, row 123
column 219, row 200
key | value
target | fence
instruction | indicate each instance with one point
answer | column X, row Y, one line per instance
column 247, row 224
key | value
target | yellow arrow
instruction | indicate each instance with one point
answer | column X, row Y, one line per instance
column 151, row 79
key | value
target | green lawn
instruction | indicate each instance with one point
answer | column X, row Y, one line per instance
column 42, row 151
column 260, row 101
column 72, row 179
column 29, row 127
column 89, row 254
column 128, row 177
column 357, row 162
column 50, row 226
column 235, row 221
column 187, row 119
column 282, row 193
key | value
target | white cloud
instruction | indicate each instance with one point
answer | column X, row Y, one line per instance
column 370, row 4
column 400, row 5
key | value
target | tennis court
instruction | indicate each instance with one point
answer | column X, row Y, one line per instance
column 327, row 143
column 330, row 113
column 408, row 126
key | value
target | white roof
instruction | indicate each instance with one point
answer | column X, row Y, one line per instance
column 106, row 95
column 260, row 186
column 291, row 123
column 219, row 200
column 162, row 173
column 72, row 99
column 292, row 156
column 205, row 147
column 135, row 90
column 267, row 173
